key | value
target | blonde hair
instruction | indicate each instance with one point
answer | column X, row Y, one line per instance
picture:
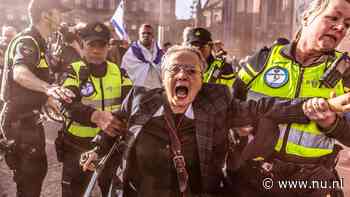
column 315, row 8
column 182, row 48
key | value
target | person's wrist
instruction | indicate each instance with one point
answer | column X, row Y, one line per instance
column 94, row 116
column 46, row 88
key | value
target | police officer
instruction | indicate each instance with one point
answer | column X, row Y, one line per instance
column 218, row 70
column 100, row 86
column 301, row 151
column 25, row 88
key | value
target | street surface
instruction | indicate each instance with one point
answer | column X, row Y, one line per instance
column 52, row 183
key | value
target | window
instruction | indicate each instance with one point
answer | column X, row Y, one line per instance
column 240, row 5
column 134, row 6
column 89, row 3
column 167, row 7
column 146, row 6
column 133, row 27
column 256, row 6
column 10, row 17
column 100, row 4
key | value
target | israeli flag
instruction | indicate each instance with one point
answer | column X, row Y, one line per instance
column 118, row 22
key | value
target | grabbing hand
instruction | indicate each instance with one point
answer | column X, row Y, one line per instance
column 88, row 160
column 325, row 112
column 54, row 104
column 60, row 93
column 340, row 103
column 102, row 119
column 245, row 131
column 317, row 109
column 116, row 128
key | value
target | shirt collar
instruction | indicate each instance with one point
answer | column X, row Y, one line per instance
column 288, row 52
column 189, row 112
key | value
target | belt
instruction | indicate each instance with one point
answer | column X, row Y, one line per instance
column 78, row 143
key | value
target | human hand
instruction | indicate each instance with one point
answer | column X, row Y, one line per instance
column 54, row 104
column 102, row 119
column 245, row 131
column 318, row 110
column 88, row 160
column 340, row 103
column 116, row 128
column 60, row 93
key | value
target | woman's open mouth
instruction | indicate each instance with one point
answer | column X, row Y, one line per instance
column 181, row 91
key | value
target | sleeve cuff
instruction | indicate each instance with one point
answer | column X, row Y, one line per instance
column 333, row 127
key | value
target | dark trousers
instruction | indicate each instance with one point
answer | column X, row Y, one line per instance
column 75, row 180
column 28, row 160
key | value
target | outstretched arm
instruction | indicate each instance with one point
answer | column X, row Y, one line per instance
column 248, row 112
column 329, row 116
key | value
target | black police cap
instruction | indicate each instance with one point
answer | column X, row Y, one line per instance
column 95, row 31
column 198, row 35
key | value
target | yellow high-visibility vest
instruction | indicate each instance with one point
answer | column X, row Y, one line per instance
column 286, row 79
column 102, row 93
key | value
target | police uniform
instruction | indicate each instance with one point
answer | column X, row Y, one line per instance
column 302, row 151
column 218, row 71
column 29, row 160
column 98, row 87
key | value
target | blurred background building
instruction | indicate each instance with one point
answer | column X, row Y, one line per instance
column 246, row 25
column 243, row 25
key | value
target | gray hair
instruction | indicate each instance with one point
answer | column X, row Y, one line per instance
column 181, row 48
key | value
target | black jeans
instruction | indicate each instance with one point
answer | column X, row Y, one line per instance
column 75, row 181
column 28, row 161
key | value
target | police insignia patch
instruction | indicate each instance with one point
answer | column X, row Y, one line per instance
column 98, row 28
column 198, row 33
column 87, row 89
column 276, row 77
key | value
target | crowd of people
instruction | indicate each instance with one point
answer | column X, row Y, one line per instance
column 185, row 121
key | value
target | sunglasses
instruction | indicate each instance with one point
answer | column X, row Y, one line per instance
column 188, row 69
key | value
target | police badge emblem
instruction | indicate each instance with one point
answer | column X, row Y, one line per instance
column 276, row 77
column 87, row 89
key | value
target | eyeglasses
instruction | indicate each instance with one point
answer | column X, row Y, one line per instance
column 188, row 69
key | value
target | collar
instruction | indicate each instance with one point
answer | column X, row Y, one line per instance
column 38, row 37
column 189, row 112
column 97, row 70
column 288, row 51
column 210, row 59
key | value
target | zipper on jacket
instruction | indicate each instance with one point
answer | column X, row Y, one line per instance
column 297, row 92
column 102, row 95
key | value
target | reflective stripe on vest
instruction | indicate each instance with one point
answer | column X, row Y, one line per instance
column 304, row 140
column 111, row 84
column 11, row 51
column 215, row 67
